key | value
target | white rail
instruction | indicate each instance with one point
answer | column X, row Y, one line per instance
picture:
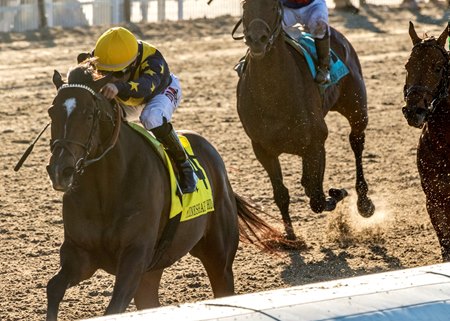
column 16, row 15
column 419, row 294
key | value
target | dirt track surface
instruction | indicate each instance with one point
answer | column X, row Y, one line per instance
column 202, row 53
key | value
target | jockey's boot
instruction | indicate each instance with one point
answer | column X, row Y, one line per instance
column 167, row 136
column 323, row 57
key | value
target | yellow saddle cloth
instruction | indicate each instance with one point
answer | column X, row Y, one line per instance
column 190, row 205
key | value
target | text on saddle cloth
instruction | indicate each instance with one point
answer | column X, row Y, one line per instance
column 190, row 205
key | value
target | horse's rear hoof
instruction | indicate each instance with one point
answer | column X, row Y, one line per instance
column 338, row 193
column 365, row 207
column 330, row 204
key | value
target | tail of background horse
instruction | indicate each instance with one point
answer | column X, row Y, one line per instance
column 254, row 230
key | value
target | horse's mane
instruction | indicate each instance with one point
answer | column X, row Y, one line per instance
column 84, row 73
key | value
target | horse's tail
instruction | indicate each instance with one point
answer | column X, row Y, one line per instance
column 254, row 230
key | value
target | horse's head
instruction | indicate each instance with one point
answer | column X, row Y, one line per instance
column 75, row 130
column 426, row 76
column 261, row 20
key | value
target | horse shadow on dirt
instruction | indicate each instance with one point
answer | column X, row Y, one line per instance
column 334, row 266
column 361, row 20
column 425, row 19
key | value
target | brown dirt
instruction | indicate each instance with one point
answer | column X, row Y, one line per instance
column 339, row 244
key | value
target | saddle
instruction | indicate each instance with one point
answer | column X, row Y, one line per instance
column 188, row 206
column 305, row 46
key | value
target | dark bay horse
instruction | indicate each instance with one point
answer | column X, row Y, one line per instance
column 117, row 199
column 426, row 94
column 281, row 108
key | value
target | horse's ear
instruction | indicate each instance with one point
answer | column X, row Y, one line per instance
column 83, row 56
column 99, row 83
column 412, row 33
column 57, row 79
column 443, row 37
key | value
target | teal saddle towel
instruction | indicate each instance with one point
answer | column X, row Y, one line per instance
column 305, row 45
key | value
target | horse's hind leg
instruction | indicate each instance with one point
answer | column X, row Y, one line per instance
column 217, row 248
column 280, row 193
column 356, row 114
column 218, row 263
column 364, row 203
column 75, row 267
column 146, row 296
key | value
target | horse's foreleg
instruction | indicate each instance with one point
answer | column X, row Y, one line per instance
column 439, row 212
column 128, row 276
column 312, row 177
column 75, row 267
column 146, row 296
column 280, row 193
column 56, row 288
column 364, row 203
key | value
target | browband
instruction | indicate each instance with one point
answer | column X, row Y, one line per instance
column 78, row 86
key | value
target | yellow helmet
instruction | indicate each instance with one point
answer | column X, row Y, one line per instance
column 116, row 49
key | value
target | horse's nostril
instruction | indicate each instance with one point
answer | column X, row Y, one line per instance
column 68, row 171
column 405, row 111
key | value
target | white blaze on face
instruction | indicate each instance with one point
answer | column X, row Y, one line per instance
column 70, row 105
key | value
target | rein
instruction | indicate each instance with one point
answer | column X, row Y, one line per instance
column 441, row 90
column 274, row 32
column 83, row 162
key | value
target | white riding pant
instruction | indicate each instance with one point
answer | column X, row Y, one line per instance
column 314, row 17
column 159, row 107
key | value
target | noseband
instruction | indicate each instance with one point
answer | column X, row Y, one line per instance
column 64, row 143
column 274, row 32
column 441, row 90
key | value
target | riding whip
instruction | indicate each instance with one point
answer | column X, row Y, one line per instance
column 29, row 150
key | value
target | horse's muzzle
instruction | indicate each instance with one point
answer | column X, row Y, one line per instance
column 257, row 47
column 61, row 177
column 416, row 117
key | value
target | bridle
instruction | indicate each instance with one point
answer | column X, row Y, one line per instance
column 64, row 143
column 273, row 31
column 441, row 91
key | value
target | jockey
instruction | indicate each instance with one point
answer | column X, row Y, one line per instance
column 313, row 14
column 141, row 78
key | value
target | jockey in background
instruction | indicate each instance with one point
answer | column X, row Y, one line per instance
column 142, row 82
column 313, row 14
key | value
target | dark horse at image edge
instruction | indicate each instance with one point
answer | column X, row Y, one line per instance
column 282, row 111
column 117, row 200
column 426, row 94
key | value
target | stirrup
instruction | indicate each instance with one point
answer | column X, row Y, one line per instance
column 322, row 76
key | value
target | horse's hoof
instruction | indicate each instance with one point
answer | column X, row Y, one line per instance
column 290, row 235
column 330, row 204
column 338, row 193
column 365, row 207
